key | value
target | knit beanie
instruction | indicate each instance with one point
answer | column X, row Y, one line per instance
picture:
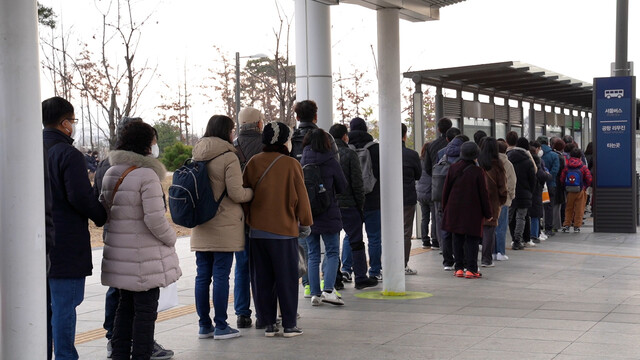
column 469, row 151
column 358, row 124
column 276, row 133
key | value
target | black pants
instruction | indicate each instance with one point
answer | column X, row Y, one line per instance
column 352, row 220
column 409, row 214
column 465, row 251
column 135, row 322
column 488, row 244
column 274, row 266
column 548, row 209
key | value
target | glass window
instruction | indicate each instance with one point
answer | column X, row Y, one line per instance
column 577, row 137
column 538, row 131
column 554, row 131
column 517, row 129
column 471, row 125
column 501, row 130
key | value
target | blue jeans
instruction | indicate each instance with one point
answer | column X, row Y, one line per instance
column 216, row 265
column 501, row 231
column 331, row 262
column 372, row 225
column 66, row 295
column 241, row 287
column 535, row 227
column 347, row 259
column 303, row 242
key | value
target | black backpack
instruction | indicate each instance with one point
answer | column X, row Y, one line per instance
column 296, row 142
column 318, row 194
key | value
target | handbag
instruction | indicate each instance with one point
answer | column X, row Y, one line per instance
column 545, row 195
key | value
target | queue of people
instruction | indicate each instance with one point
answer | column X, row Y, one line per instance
column 318, row 183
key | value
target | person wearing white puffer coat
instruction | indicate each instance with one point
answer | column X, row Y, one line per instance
column 139, row 253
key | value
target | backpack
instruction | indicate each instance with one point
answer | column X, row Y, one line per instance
column 573, row 180
column 296, row 142
column 191, row 200
column 318, row 194
column 439, row 174
column 364, row 156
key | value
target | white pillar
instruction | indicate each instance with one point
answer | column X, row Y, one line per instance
column 390, row 151
column 313, row 58
column 23, row 314
column 418, row 141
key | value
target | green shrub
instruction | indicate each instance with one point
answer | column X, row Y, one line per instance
column 175, row 155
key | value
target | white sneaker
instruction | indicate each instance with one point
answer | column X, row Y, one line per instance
column 501, row 257
column 331, row 298
column 531, row 243
column 410, row 271
column 448, row 268
column 316, row 300
column 543, row 236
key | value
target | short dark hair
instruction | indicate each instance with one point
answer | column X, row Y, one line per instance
column 502, row 147
column 569, row 147
column 512, row 138
column 576, row 153
column 479, row 135
column 137, row 137
column 318, row 140
column 558, row 144
column 523, row 143
column 452, row 133
column 589, row 149
column 54, row 110
column 444, row 124
column 568, row 139
column 338, row 131
column 404, row 130
column 220, row 126
column 306, row 110
column 535, row 144
column 462, row 137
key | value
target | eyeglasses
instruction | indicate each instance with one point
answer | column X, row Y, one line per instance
column 72, row 120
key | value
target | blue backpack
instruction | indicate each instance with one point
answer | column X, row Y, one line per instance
column 573, row 180
column 191, row 200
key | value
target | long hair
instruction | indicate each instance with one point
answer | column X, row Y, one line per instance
column 488, row 154
column 318, row 140
column 220, row 126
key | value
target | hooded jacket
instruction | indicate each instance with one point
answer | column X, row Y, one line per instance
column 452, row 150
column 576, row 163
column 73, row 203
column 329, row 221
column 552, row 162
column 225, row 231
column 511, row 178
column 359, row 139
column 139, row 248
column 525, row 175
column 353, row 195
column 411, row 172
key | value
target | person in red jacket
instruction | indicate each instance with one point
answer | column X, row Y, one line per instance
column 466, row 205
column 577, row 178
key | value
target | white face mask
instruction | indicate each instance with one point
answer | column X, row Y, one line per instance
column 155, row 150
column 540, row 153
column 74, row 131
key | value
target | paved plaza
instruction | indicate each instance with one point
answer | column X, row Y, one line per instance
column 575, row 296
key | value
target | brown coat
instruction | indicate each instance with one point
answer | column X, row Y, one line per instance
column 225, row 232
column 281, row 202
column 497, row 190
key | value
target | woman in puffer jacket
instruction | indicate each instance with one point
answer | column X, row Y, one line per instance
column 216, row 240
column 139, row 255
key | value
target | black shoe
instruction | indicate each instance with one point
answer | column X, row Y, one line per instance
column 270, row 330
column 550, row 233
column 260, row 325
column 293, row 331
column 517, row 246
column 535, row 240
column 368, row 282
column 426, row 244
column 244, row 322
column 339, row 285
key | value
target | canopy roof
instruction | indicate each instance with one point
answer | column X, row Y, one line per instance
column 511, row 79
column 412, row 10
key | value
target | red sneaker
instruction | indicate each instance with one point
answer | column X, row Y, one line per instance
column 458, row 273
column 472, row 275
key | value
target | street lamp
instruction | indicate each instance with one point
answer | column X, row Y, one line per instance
column 238, row 84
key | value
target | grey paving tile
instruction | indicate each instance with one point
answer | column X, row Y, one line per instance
column 617, row 327
column 567, row 315
column 492, row 311
column 538, row 334
column 553, row 324
column 438, row 341
column 601, row 337
column 627, row 309
column 577, row 306
column 604, row 350
column 456, row 320
column 623, row 318
column 458, row 330
column 500, row 355
column 522, row 345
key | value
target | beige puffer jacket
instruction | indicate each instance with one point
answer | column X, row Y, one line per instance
column 511, row 178
column 139, row 252
column 225, row 232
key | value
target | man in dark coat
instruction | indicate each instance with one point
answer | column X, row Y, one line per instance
column 73, row 204
column 552, row 163
column 359, row 137
column 430, row 160
column 411, row 172
column 307, row 114
column 525, row 184
column 351, row 202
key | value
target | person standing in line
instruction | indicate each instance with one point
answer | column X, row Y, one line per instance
column 499, row 252
column 576, row 195
column 423, row 189
column 248, row 143
column 327, row 224
column 351, row 203
column 496, row 181
column 359, row 138
column 139, row 253
column 216, row 241
column 536, row 209
column 525, row 183
column 558, row 145
column 277, row 216
column 431, row 159
column 466, row 205
column 552, row 163
column 411, row 172
column 73, row 204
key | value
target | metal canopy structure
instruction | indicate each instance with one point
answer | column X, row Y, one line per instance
column 511, row 79
column 411, row 10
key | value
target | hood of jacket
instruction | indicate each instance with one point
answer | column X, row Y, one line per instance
column 574, row 162
column 518, row 155
column 313, row 157
column 453, row 148
column 117, row 157
column 209, row 147
column 359, row 138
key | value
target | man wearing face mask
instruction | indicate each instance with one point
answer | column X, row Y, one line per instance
column 73, row 204
column 112, row 297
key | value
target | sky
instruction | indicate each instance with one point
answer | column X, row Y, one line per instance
column 575, row 38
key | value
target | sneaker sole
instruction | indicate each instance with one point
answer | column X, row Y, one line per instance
column 205, row 336
column 226, row 336
column 270, row 334
column 333, row 302
column 163, row 357
column 289, row 335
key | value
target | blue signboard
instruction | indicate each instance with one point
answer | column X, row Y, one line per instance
column 614, row 101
